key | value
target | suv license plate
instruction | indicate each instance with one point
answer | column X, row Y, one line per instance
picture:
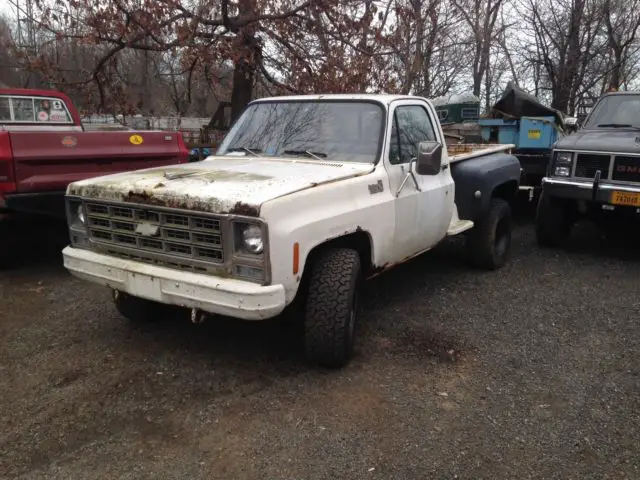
column 626, row 199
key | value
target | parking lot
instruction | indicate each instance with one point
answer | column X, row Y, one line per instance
column 528, row 372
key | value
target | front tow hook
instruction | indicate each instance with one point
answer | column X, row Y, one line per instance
column 596, row 185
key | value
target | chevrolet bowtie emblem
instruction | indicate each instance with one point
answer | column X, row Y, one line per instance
column 147, row 229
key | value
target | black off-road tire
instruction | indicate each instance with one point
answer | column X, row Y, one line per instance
column 553, row 222
column 332, row 307
column 135, row 309
column 489, row 242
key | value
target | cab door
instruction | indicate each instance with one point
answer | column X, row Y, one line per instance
column 424, row 203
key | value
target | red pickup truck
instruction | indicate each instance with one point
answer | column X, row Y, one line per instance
column 44, row 147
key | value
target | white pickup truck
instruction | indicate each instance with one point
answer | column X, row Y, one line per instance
column 307, row 197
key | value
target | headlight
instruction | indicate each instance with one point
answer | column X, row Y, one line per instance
column 80, row 213
column 248, row 238
column 77, row 224
column 252, row 237
column 562, row 164
column 75, row 213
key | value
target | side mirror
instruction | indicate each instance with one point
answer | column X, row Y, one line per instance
column 429, row 160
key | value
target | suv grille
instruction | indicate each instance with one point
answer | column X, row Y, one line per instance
column 587, row 164
column 183, row 240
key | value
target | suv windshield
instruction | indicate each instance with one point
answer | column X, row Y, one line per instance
column 325, row 130
column 615, row 111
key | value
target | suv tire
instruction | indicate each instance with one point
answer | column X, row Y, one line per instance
column 553, row 222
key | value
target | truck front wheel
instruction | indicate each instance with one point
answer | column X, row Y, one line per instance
column 135, row 309
column 489, row 242
column 553, row 222
column 332, row 307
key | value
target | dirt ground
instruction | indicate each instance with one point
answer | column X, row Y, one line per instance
column 528, row 372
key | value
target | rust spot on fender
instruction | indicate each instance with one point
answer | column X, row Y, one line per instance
column 245, row 209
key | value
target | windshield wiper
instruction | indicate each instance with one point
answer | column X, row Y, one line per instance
column 308, row 153
column 618, row 125
column 252, row 151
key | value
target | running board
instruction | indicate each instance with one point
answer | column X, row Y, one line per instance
column 459, row 227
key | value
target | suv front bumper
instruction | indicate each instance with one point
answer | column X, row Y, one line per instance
column 590, row 191
column 222, row 296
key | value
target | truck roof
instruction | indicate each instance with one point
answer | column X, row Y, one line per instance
column 34, row 92
column 378, row 97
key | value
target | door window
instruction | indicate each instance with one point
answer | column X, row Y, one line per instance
column 411, row 125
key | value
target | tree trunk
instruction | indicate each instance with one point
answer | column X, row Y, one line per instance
column 243, row 74
column 616, row 72
column 249, row 54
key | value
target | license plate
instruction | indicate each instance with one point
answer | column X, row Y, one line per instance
column 147, row 287
column 626, row 199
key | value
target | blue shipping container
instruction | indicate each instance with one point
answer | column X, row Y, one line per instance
column 498, row 130
column 538, row 133
column 525, row 133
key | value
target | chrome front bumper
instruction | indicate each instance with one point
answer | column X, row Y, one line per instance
column 590, row 191
column 223, row 296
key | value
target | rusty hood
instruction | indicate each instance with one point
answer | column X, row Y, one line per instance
column 218, row 184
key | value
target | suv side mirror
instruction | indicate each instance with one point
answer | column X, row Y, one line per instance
column 429, row 159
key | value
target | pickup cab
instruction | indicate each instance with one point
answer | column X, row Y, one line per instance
column 43, row 148
column 306, row 198
column 594, row 173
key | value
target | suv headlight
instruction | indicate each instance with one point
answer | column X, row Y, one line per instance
column 562, row 164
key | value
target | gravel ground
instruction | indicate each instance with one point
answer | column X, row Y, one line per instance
column 529, row 372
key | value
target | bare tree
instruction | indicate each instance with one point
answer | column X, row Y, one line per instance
column 567, row 41
column 482, row 18
column 622, row 21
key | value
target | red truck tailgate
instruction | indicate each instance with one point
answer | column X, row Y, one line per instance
column 46, row 161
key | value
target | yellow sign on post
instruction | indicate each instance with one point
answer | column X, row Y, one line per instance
column 136, row 139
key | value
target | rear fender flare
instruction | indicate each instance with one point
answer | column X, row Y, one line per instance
column 478, row 180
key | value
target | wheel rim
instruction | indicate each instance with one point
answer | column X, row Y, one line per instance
column 503, row 238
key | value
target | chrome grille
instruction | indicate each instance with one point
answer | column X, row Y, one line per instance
column 152, row 235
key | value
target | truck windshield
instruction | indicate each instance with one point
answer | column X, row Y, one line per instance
column 345, row 131
column 615, row 111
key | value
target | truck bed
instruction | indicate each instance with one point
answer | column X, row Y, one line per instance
column 45, row 161
column 465, row 151
column 40, row 165
column 474, row 186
